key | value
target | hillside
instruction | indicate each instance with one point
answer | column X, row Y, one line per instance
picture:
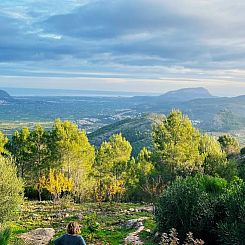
column 180, row 95
column 136, row 130
column 209, row 113
column 5, row 97
column 186, row 94
column 214, row 113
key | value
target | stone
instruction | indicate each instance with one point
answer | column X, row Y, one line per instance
column 39, row 236
column 66, row 215
column 33, row 216
column 148, row 209
column 79, row 217
column 133, row 238
column 133, row 223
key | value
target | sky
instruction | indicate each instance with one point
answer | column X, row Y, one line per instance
column 123, row 45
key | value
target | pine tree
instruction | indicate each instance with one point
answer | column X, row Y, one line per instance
column 176, row 145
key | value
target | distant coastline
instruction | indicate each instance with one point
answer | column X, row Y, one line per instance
column 19, row 92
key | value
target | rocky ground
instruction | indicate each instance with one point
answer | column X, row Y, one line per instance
column 109, row 224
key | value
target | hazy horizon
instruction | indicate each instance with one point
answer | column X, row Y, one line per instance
column 136, row 46
column 70, row 92
column 18, row 91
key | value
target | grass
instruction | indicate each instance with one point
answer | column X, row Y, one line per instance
column 100, row 223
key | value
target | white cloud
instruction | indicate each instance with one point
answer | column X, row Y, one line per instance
column 124, row 43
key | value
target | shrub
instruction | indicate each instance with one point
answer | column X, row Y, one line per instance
column 172, row 239
column 5, row 236
column 211, row 208
column 190, row 205
column 231, row 228
column 242, row 151
column 10, row 190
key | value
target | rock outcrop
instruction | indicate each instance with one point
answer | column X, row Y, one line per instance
column 40, row 236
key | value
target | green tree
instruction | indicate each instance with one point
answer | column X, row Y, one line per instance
column 214, row 157
column 3, row 142
column 176, row 146
column 11, row 190
column 111, row 166
column 73, row 154
column 229, row 144
column 140, row 173
column 19, row 147
column 38, row 152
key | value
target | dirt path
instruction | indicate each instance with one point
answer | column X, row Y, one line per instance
column 134, row 238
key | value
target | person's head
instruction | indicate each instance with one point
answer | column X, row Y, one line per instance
column 73, row 228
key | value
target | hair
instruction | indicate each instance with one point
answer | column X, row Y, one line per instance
column 73, row 228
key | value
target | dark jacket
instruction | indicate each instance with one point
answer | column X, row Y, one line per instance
column 68, row 239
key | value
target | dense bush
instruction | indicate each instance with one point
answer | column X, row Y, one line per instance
column 211, row 208
column 231, row 229
column 189, row 205
column 242, row 151
column 10, row 189
column 5, row 234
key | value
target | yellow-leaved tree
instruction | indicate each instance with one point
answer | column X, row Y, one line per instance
column 56, row 183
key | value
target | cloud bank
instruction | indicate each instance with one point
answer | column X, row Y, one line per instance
column 141, row 41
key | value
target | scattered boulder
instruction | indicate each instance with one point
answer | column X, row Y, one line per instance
column 79, row 217
column 40, row 236
column 57, row 215
column 134, row 223
column 148, row 209
column 34, row 216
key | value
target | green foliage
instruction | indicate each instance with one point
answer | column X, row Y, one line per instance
column 215, row 159
column 19, row 146
column 208, row 206
column 39, row 152
column 136, row 130
column 176, row 144
column 91, row 222
column 242, row 151
column 10, row 190
column 139, row 172
column 231, row 229
column 3, row 143
column 189, row 205
column 225, row 120
column 72, row 152
column 229, row 144
column 110, row 169
column 5, row 234
column 241, row 169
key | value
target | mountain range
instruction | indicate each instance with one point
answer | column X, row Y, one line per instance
column 133, row 116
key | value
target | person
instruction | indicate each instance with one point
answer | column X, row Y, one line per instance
column 72, row 237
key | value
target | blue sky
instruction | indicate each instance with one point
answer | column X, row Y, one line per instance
column 123, row 45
